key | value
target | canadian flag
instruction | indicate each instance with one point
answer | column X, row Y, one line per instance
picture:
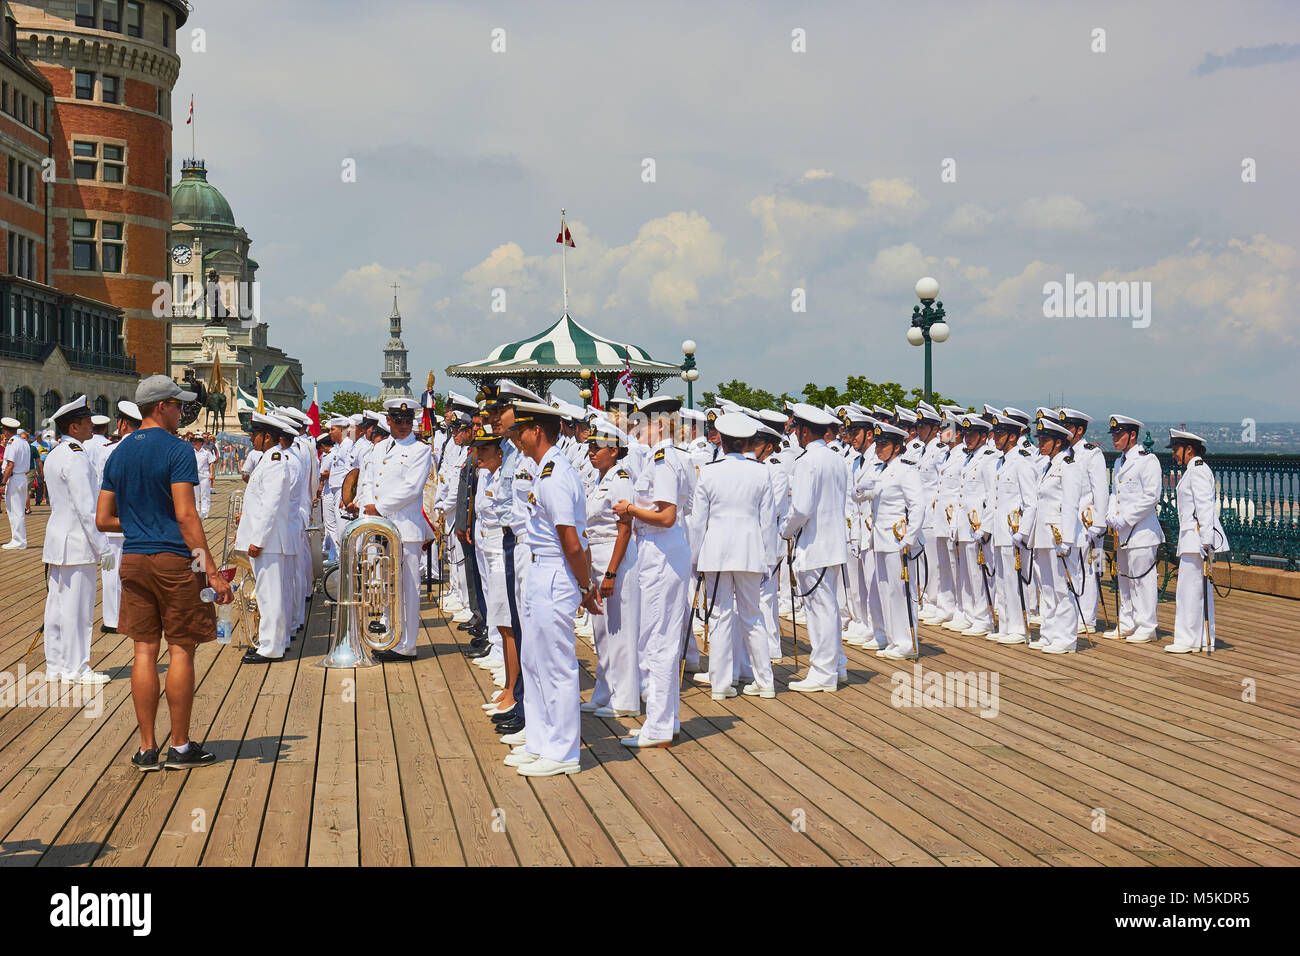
column 564, row 238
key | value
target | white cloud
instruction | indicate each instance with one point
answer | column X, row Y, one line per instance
column 969, row 220
column 1056, row 213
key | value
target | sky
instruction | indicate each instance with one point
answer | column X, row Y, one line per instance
column 995, row 146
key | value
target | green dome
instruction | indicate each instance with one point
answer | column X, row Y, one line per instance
column 195, row 200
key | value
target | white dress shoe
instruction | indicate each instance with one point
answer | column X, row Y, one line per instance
column 957, row 624
column 589, row 706
column 995, row 635
column 753, row 690
column 856, row 641
column 463, row 615
column 938, row 619
column 636, row 741
column 875, row 645
column 1011, row 638
column 890, row 654
column 499, row 679
column 451, row 605
column 11, row 546
column 1037, row 644
column 90, row 677
column 700, row 677
column 521, row 749
column 546, row 767
column 515, row 739
column 1182, row 649
column 54, row 675
column 725, row 693
column 1140, row 638
column 501, row 709
column 492, row 704
column 975, row 631
column 1035, row 618
column 1113, row 634
column 518, row 760
column 611, row 712
column 1058, row 650
column 806, row 686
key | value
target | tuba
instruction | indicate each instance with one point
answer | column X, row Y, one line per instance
column 370, row 605
column 239, row 571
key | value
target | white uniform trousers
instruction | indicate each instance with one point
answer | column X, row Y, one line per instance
column 69, row 612
column 974, row 602
column 930, row 595
column 549, row 662
column 15, row 507
column 771, row 594
column 618, row 676
column 203, row 496
column 269, row 587
column 1011, row 620
column 1189, row 611
column 893, row 600
column 863, row 568
column 1090, row 589
column 1060, row 617
column 294, row 610
column 823, row 618
column 737, row 639
column 111, row 582
column 330, row 517
column 1138, row 597
column 945, row 578
column 664, row 579
column 412, row 557
column 492, row 578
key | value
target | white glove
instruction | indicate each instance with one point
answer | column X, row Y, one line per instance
column 1062, row 550
column 1019, row 539
column 107, row 561
column 1206, row 551
column 1094, row 537
column 984, row 537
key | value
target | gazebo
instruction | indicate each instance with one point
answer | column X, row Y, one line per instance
column 560, row 354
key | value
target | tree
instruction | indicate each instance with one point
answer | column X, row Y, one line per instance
column 350, row 403
column 740, row 393
column 858, row 389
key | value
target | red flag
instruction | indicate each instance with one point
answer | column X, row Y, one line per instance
column 314, row 414
column 595, row 392
column 190, row 119
column 626, row 377
column 564, row 238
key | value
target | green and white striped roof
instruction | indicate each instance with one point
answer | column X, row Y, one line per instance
column 565, row 347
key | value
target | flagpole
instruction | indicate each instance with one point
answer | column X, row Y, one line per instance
column 194, row 151
column 564, row 266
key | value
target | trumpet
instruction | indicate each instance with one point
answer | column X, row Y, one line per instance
column 370, row 563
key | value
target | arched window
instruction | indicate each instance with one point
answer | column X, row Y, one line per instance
column 24, row 407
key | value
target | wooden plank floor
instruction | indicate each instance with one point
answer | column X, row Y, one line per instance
column 1118, row 755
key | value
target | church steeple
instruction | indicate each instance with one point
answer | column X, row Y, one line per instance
column 396, row 379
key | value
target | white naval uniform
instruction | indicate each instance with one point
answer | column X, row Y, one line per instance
column 73, row 546
column 1134, row 497
column 1015, row 491
column 204, row 460
column 489, row 553
column 862, row 558
column 932, row 457
column 110, row 580
column 266, row 521
column 329, row 502
column 818, row 486
column 947, row 569
column 453, row 460
column 730, row 512
column 397, row 472
column 548, row 656
column 778, row 476
column 1091, row 462
column 897, row 508
column 1198, row 530
column 618, row 675
column 298, row 477
column 975, row 494
column 664, row 579
column 19, row 452
column 1057, row 506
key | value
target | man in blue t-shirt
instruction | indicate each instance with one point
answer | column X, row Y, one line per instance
column 148, row 496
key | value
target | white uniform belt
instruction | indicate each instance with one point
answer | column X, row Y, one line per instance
column 546, row 558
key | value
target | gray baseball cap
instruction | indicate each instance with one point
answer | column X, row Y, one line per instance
column 157, row 388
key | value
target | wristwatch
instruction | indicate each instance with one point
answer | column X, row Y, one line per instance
column 611, row 575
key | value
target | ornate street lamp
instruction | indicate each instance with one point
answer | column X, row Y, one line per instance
column 690, row 374
column 585, row 392
column 928, row 323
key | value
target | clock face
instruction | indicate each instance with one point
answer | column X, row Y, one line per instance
column 182, row 254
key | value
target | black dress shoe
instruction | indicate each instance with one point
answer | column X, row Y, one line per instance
column 252, row 657
column 465, row 626
column 392, row 657
column 511, row 726
column 478, row 653
column 480, row 633
column 105, row 629
column 508, row 715
column 477, row 642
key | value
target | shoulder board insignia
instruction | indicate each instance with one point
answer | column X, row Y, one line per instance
column 622, row 473
column 1200, row 461
column 907, row 461
column 550, row 467
column 1025, row 453
column 1069, row 457
column 660, row 455
column 1143, row 451
column 773, row 460
column 76, row 448
column 1090, row 446
column 275, row 456
column 802, row 453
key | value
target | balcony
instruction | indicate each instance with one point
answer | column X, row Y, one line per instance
column 30, row 349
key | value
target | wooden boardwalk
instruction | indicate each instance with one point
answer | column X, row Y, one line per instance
column 1120, row 755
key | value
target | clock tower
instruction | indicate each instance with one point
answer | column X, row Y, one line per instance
column 396, row 379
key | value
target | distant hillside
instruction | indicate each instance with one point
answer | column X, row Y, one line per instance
column 327, row 389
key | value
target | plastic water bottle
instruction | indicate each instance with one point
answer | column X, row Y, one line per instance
column 208, row 595
column 225, row 623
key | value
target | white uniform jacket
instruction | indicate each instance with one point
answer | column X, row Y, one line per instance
column 1134, row 497
column 1057, row 504
column 398, row 470
column 975, row 493
column 893, row 488
column 1095, row 491
column 815, row 521
column 266, row 519
column 71, row 536
column 1015, row 491
column 1198, row 523
column 732, row 508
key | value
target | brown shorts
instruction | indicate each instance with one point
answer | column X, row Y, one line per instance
column 160, row 595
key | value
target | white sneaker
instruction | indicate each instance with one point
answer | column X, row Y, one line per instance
column 753, row 690
column 451, row 604
column 492, row 704
column 726, row 692
column 938, row 619
column 518, row 760
column 806, row 686
column 515, row 739
column 499, row 679
column 520, row 749
column 874, row 645
column 545, row 767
